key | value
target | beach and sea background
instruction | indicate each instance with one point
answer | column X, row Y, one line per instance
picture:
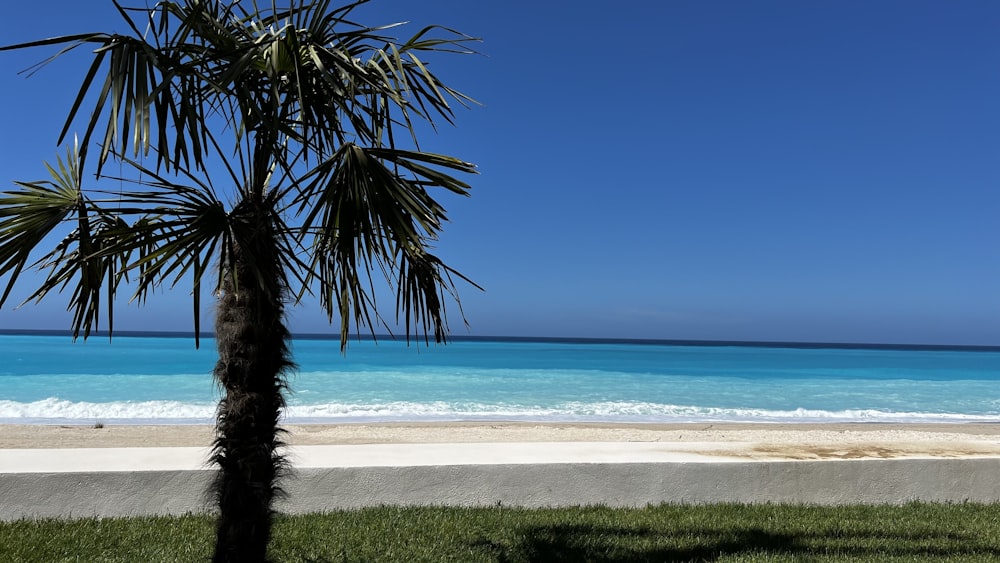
column 157, row 379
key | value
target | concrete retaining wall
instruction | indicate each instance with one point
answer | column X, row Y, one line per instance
column 117, row 493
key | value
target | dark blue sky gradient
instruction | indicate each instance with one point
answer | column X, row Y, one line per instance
column 767, row 170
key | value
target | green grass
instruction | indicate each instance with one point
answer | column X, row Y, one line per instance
column 723, row 533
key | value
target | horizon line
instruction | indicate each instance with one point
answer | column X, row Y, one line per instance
column 551, row 339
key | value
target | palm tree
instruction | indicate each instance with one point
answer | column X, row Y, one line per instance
column 310, row 120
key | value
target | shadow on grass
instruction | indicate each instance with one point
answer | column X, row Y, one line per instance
column 608, row 544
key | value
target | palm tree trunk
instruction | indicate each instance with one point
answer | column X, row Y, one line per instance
column 253, row 359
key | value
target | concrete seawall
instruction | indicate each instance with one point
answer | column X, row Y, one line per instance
column 141, row 481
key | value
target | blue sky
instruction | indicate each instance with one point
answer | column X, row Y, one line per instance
column 765, row 170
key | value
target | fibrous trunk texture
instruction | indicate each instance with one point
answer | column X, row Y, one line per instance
column 253, row 359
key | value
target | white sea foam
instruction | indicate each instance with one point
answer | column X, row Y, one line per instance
column 608, row 411
column 58, row 410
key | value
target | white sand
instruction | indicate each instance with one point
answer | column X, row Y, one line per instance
column 782, row 441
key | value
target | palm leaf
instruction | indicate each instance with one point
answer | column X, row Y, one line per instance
column 28, row 215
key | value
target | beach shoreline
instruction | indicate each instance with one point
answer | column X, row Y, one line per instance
column 771, row 440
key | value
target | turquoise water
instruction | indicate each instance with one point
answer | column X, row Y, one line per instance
column 166, row 380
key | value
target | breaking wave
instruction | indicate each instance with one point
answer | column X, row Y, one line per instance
column 174, row 412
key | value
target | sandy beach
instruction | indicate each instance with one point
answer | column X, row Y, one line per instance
column 759, row 441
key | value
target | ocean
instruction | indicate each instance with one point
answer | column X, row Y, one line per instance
column 159, row 379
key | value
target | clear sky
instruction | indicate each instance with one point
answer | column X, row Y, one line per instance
column 727, row 170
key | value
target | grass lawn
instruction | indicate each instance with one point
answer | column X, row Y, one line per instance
column 723, row 533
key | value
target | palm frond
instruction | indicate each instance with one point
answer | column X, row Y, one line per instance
column 362, row 215
column 28, row 215
column 87, row 261
column 423, row 283
column 180, row 231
